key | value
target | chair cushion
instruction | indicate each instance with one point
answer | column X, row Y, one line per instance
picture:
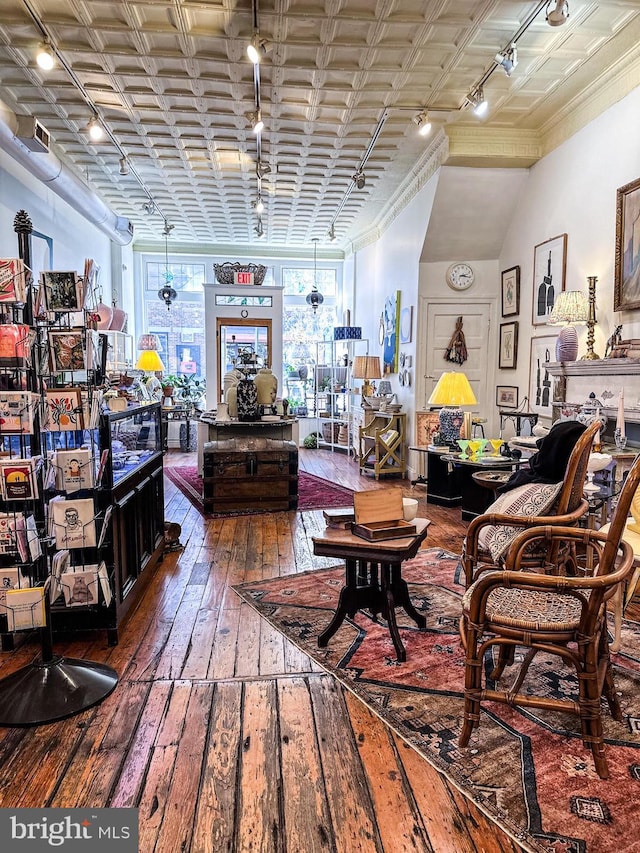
column 529, row 500
column 542, row 610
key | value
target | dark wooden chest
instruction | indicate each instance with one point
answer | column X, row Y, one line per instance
column 250, row 474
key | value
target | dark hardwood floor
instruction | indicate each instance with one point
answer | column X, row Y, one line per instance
column 223, row 733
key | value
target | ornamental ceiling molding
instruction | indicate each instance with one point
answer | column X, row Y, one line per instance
column 605, row 91
column 433, row 158
column 489, row 146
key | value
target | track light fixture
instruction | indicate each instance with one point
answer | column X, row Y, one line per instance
column 557, row 16
column 508, row 59
column 255, row 120
column 478, row 101
column 256, row 49
column 96, row 131
column 359, row 179
column 259, row 229
column 423, row 123
column 259, row 205
column 45, row 57
column 124, row 166
column 262, row 169
column 331, row 233
column 149, row 207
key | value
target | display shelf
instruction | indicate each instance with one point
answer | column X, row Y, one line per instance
column 334, row 394
column 119, row 351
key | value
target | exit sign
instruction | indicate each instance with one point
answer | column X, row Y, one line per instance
column 243, row 278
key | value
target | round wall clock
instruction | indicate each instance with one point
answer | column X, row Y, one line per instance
column 460, row 276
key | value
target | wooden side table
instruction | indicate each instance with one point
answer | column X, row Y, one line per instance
column 373, row 578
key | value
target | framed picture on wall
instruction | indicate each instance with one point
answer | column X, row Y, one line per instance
column 511, row 292
column 626, row 292
column 507, row 396
column 391, row 332
column 508, row 355
column 549, row 271
column 540, row 380
column 406, row 325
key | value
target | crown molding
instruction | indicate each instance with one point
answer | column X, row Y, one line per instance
column 227, row 251
column 494, row 147
column 434, row 157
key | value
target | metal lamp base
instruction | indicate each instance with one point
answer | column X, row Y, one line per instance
column 44, row 692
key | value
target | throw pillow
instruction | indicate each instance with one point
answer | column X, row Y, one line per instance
column 529, row 500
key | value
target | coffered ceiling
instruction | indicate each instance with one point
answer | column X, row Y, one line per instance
column 171, row 81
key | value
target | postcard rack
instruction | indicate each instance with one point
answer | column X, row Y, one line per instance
column 43, row 351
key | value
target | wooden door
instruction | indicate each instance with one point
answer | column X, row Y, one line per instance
column 437, row 324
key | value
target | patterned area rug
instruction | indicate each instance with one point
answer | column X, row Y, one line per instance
column 528, row 770
column 313, row 492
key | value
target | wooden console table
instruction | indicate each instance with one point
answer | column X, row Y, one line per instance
column 373, row 578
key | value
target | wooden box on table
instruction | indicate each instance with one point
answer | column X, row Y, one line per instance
column 247, row 473
column 378, row 516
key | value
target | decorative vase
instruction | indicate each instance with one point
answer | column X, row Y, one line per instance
column 231, row 399
column 247, row 398
column 267, row 387
column 231, row 378
column 567, row 344
column 222, row 412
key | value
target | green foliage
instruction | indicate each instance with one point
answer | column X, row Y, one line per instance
column 188, row 389
column 312, row 440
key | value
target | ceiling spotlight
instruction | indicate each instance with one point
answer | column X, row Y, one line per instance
column 149, row 207
column 332, row 233
column 259, row 230
column 557, row 16
column 478, row 102
column 168, row 228
column 256, row 49
column 45, row 57
column 259, row 205
column 96, row 131
column 255, row 120
column 423, row 123
column 124, row 166
column 359, row 179
column 508, row 60
column 262, row 169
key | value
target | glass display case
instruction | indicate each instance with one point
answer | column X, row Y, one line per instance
column 133, row 437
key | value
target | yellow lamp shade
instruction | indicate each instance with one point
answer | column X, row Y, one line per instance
column 149, row 361
column 452, row 389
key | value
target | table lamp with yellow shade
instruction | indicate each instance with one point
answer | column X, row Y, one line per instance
column 366, row 367
column 150, row 362
column 451, row 392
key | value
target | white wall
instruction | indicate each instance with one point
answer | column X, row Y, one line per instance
column 393, row 263
column 573, row 191
column 74, row 239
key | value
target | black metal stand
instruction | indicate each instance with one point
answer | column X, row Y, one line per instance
column 52, row 688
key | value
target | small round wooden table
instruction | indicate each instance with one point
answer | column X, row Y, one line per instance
column 373, row 578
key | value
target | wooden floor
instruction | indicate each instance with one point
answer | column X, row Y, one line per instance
column 224, row 734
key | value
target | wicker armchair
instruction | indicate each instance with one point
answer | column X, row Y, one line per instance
column 564, row 615
column 569, row 508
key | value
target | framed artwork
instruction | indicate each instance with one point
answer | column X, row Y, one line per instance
column 508, row 355
column 626, row 293
column 507, row 396
column 391, row 333
column 66, row 350
column 406, row 325
column 549, row 271
column 511, row 292
column 61, row 291
column 426, row 424
column 63, row 410
column 540, row 380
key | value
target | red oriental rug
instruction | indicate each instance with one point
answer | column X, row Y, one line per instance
column 527, row 769
column 313, row 492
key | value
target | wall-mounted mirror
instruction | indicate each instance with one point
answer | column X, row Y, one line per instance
column 234, row 335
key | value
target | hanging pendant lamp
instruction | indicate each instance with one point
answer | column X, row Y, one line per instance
column 315, row 298
column 167, row 293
